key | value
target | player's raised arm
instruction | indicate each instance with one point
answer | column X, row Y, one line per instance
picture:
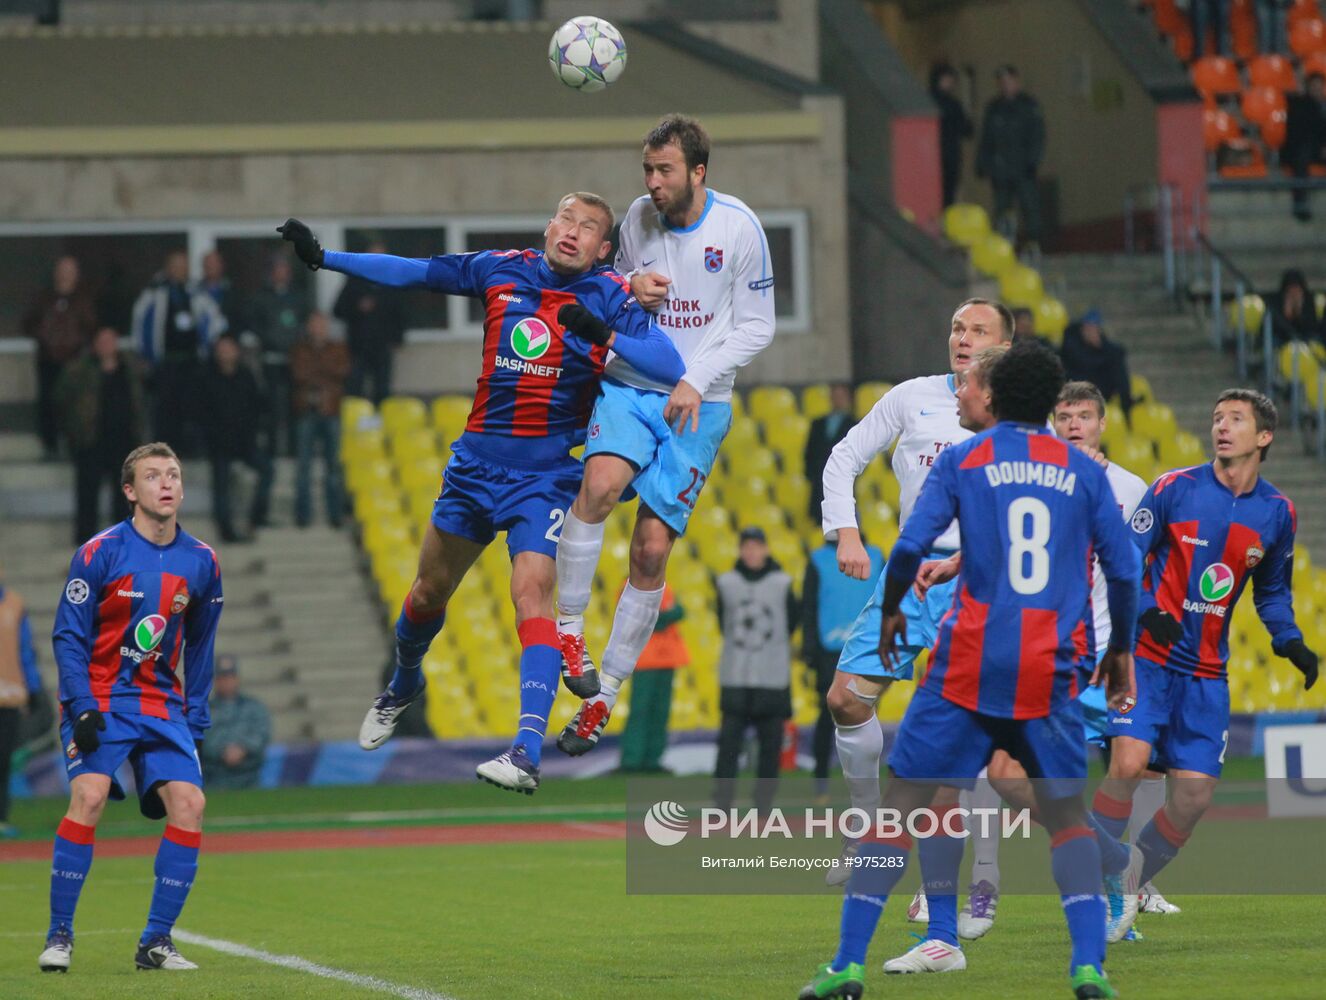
column 75, row 622
column 199, row 646
column 630, row 331
column 870, row 437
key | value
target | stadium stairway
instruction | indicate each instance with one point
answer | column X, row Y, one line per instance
column 1171, row 348
column 299, row 612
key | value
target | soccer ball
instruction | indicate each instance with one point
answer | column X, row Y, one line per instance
column 587, row 53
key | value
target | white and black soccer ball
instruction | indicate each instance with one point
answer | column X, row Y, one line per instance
column 587, row 53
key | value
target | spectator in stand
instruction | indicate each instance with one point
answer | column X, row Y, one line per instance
column 1012, row 146
column 174, row 324
column 825, row 432
column 1089, row 356
column 278, row 314
column 1210, row 14
column 233, row 752
column 954, row 127
column 1272, row 25
column 20, row 688
column 1305, row 138
column 234, row 405
column 319, row 367
column 61, row 320
column 646, row 736
column 103, row 414
column 830, row 602
column 1024, row 327
column 374, row 319
column 757, row 613
column 1294, row 310
column 217, row 284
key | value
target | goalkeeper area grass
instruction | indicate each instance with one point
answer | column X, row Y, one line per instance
column 458, row 892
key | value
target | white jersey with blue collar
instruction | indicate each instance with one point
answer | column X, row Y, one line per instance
column 918, row 419
column 719, row 310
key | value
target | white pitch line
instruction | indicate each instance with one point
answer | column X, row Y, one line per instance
column 312, row 968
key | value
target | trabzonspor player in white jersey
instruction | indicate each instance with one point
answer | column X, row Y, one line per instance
column 700, row 260
column 918, row 419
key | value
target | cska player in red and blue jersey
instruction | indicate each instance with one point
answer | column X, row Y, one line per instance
column 142, row 600
column 550, row 319
column 1205, row 532
column 1031, row 509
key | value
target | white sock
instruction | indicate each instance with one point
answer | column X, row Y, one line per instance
column 860, row 748
column 577, row 559
column 1148, row 798
column 632, row 625
column 985, row 839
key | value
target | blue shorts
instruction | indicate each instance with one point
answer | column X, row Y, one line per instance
column 157, row 749
column 480, row 498
column 1095, row 712
column 860, row 653
column 945, row 743
column 672, row 468
column 1184, row 718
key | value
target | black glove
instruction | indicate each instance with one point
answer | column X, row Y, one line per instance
column 1162, row 626
column 307, row 247
column 86, row 728
column 584, row 324
column 1303, row 658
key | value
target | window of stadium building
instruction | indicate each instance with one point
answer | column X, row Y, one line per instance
column 424, row 310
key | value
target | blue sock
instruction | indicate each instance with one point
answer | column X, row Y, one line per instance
column 176, row 866
column 1075, row 860
column 70, row 862
column 868, row 889
column 1113, row 855
column 1159, row 842
column 540, row 666
column 413, row 637
column 941, row 857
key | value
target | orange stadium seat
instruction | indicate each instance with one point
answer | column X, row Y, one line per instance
column 1273, row 129
column 1259, row 102
column 1307, row 36
column 1218, row 128
column 1272, row 71
column 1216, row 76
column 1304, row 10
column 1314, row 63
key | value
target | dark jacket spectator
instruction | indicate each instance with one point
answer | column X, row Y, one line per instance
column 1305, row 137
column 1011, row 148
column 1089, row 356
column 1294, row 310
column 233, row 752
column 758, row 612
column 277, row 316
column 318, row 370
column 216, row 284
column 234, row 404
column 374, row 319
column 61, row 320
column 825, row 432
column 104, row 416
column 954, row 127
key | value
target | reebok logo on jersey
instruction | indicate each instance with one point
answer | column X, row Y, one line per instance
column 504, row 297
column 531, row 338
column 129, row 593
column 1200, row 542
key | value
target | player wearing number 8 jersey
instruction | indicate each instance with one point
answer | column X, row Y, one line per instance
column 1205, row 532
column 550, row 319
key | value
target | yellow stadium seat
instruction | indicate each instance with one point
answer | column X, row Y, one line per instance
column 411, row 446
column 815, row 400
column 1021, row 286
column 1051, row 319
column 1153, row 421
column 751, row 462
column 743, row 434
column 363, row 444
column 742, row 492
column 1181, row 450
column 402, row 413
column 1140, row 386
column 992, row 255
column 356, row 413
column 1136, row 455
column 1252, row 308
column 792, row 493
column 868, row 394
column 449, row 414
column 372, row 505
column 423, row 475
column 768, row 402
column 368, row 474
column 964, row 224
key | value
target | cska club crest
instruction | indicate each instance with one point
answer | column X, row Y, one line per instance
column 713, row 259
column 1254, row 555
column 179, row 602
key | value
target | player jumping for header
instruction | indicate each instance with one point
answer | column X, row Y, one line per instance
column 550, row 318
column 1030, row 508
column 716, row 303
column 142, row 598
column 1205, row 532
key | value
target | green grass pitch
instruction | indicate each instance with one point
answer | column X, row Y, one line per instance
column 552, row 920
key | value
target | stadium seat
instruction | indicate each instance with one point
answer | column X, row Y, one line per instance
column 868, row 394
column 1251, row 307
column 1140, row 388
column 1153, row 421
column 409, row 446
column 815, row 401
column 1273, row 130
column 363, row 444
column 1181, row 450
column 449, row 415
column 1051, row 319
column 402, row 413
column 1307, row 36
column 1135, row 455
column 1272, row 71
column 1259, row 102
column 1021, row 286
column 369, row 474
column 964, row 224
column 787, row 437
column 792, row 493
column 356, row 412
column 1314, row 63
column 1218, row 128
column 1216, row 76
column 992, row 255
column 767, row 402
column 751, row 462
